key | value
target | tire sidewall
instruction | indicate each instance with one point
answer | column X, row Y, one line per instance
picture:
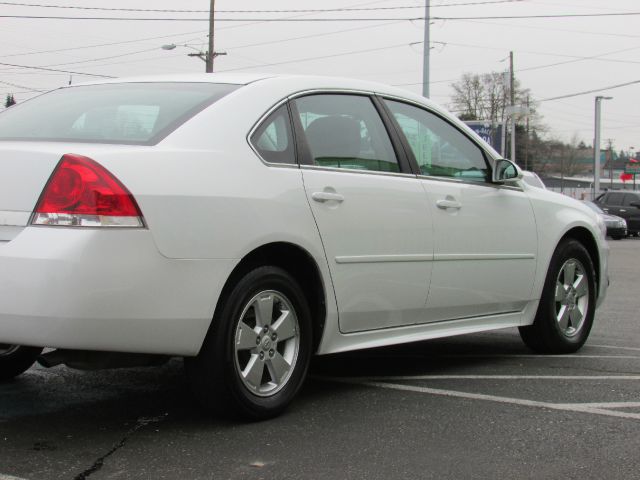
column 242, row 399
column 547, row 313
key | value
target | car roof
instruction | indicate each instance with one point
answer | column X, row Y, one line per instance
column 304, row 82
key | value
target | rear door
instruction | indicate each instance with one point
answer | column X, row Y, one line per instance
column 370, row 210
column 485, row 235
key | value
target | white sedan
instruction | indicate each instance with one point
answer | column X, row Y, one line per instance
column 248, row 222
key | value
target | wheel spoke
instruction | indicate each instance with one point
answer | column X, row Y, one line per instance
column 561, row 292
column 263, row 307
column 576, row 317
column 569, row 273
column 278, row 367
column 581, row 286
column 246, row 337
column 253, row 371
column 563, row 317
column 285, row 326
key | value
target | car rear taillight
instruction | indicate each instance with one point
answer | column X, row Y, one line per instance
column 82, row 193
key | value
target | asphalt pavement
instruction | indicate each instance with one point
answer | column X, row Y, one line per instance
column 469, row 407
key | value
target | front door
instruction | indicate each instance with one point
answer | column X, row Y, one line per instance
column 485, row 238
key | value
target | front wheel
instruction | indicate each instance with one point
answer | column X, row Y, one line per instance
column 567, row 305
column 15, row 360
column 257, row 351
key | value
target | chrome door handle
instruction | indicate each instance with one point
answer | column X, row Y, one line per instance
column 622, row 210
column 444, row 204
column 327, row 197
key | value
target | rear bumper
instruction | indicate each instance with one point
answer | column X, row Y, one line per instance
column 104, row 290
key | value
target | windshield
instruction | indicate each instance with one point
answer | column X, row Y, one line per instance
column 594, row 207
column 123, row 113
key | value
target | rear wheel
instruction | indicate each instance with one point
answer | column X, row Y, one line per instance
column 15, row 360
column 257, row 351
column 567, row 305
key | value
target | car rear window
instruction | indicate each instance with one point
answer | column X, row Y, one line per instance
column 121, row 113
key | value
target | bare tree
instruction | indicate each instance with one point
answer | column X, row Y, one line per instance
column 484, row 96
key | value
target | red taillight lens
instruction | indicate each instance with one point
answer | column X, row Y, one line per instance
column 82, row 192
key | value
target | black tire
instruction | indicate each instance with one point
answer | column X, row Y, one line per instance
column 15, row 360
column 545, row 334
column 214, row 373
column 616, row 237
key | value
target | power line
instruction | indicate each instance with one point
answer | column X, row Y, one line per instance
column 305, row 10
column 101, row 44
column 46, row 69
column 338, row 19
column 321, row 57
column 595, row 90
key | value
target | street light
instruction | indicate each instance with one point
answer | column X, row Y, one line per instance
column 596, row 147
column 204, row 56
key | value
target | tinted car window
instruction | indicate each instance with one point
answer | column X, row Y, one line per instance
column 440, row 149
column 614, row 199
column 273, row 138
column 345, row 131
column 630, row 198
column 123, row 113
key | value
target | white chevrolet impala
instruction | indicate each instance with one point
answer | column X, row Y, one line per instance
column 247, row 223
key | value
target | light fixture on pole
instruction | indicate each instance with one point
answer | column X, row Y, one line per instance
column 596, row 147
column 204, row 56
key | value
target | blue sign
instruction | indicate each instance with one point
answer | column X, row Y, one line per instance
column 490, row 133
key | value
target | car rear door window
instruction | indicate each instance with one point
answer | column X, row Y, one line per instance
column 345, row 131
column 440, row 149
column 273, row 139
column 614, row 199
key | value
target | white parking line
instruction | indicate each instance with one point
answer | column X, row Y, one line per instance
column 615, row 347
column 605, row 405
column 575, row 408
column 541, row 356
column 9, row 477
column 497, row 377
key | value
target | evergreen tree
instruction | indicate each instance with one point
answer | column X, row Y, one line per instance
column 9, row 101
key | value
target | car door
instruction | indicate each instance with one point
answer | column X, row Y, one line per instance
column 631, row 213
column 485, row 235
column 612, row 203
column 371, row 212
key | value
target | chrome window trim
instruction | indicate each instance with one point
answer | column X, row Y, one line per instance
column 470, row 182
column 355, row 170
column 258, row 124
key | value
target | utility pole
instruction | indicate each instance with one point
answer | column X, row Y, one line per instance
column 526, row 149
column 211, row 52
column 596, row 147
column 427, row 48
column 512, row 91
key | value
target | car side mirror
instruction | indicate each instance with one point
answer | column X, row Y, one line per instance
column 635, row 204
column 505, row 171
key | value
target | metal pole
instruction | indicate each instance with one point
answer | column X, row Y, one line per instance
column 596, row 150
column 211, row 52
column 513, row 102
column 427, row 48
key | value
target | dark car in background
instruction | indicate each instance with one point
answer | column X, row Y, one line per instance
column 616, row 226
column 623, row 204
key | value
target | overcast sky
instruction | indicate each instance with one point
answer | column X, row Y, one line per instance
column 547, row 50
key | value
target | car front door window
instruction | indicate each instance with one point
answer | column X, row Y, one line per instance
column 439, row 148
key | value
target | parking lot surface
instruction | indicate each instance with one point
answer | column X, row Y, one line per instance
column 477, row 406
